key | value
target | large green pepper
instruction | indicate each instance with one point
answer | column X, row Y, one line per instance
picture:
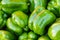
column 5, row 35
column 28, row 36
column 54, row 6
column 33, row 15
column 10, row 6
column 44, row 38
column 54, row 30
column 18, row 22
column 40, row 20
column 3, row 17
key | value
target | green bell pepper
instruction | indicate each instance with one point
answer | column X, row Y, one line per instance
column 28, row 36
column 54, row 6
column 13, row 27
column 5, row 35
column 54, row 30
column 33, row 15
column 44, row 38
column 40, row 20
column 10, row 6
column 3, row 18
column 21, row 19
column 18, row 22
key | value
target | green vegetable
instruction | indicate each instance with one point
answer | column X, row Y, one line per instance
column 33, row 15
column 54, row 30
column 43, row 38
column 13, row 27
column 18, row 22
column 54, row 6
column 28, row 36
column 20, row 18
column 3, row 17
column 5, row 35
column 10, row 6
column 39, row 21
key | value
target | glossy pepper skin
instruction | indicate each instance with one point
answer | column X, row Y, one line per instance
column 33, row 15
column 54, row 30
column 21, row 19
column 3, row 18
column 44, row 38
column 5, row 35
column 10, row 6
column 18, row 22
column 40, row 20
column 13, row 27
column 28, row 36
column 54, row 6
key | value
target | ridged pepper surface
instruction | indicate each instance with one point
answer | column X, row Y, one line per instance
column 39, row 20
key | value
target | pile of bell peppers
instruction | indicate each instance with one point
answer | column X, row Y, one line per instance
column 29, row 19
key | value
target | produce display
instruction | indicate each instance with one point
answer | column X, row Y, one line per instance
column 29, row 19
